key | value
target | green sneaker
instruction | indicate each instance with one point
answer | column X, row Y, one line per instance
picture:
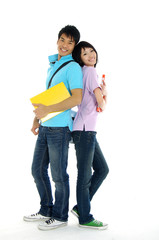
column 95, row 225
column 75, row 212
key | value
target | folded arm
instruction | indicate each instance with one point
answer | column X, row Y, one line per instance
column 101, row 95
column 74, row 100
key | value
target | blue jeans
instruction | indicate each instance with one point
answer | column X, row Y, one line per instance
column 52, row 148
column 89, row 156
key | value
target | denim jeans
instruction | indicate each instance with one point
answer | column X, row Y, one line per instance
column 52, row 148
column 89, row 157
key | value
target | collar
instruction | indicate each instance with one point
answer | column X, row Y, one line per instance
column 54, row 58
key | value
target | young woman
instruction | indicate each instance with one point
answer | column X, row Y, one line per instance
column 88, row 152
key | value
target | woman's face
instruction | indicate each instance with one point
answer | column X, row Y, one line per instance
column 88, row 56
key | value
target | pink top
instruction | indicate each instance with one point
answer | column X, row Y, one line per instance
column 86, row 116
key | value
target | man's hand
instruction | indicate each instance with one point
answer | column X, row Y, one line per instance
column 35, row 127
column 41, row 110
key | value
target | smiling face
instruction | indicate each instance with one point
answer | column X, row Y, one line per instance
column 65, row 45
column 88, row 57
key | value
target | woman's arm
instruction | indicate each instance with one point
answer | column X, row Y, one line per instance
column 101, row 100
column 101, row 95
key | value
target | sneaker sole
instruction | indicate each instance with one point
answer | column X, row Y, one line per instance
column 35, row 219
column 91, row 227
column 47, row 228
column 74, row 213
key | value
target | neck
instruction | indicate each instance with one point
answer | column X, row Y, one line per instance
column 59, row 57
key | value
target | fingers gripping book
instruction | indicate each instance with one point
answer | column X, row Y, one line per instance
column 53, row 95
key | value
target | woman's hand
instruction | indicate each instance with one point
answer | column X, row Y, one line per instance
column 103, row 88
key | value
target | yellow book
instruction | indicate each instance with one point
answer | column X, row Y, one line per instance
column 53, row 95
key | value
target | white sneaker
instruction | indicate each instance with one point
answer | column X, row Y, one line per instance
column 35, row 217
column 51, row 224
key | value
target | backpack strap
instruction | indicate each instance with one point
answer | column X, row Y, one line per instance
column 64, row 64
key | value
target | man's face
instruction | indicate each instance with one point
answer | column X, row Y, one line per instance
column 65, row 45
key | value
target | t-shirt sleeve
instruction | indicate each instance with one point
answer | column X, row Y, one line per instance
column 92, row 79
column 75, row 76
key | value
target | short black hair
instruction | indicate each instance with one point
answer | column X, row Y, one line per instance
column 76, row 54
column 70, row 31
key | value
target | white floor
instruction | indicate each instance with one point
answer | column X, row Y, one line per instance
column 125, row 230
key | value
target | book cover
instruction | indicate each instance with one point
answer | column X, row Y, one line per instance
column 53, row 95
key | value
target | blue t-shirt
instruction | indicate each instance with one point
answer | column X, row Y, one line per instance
column 71, row 76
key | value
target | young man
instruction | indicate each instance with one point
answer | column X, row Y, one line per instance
column 54, row 136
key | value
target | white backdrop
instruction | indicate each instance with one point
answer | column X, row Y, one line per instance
column 125, row 34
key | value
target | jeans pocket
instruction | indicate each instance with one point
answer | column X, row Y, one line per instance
column 91, row 137
column 54, row 130
column 55, row 136
column 76, row 137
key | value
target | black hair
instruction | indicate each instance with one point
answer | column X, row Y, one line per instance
column 76, row 54
column 70, row 31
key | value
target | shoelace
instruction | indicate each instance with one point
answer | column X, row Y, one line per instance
column 97, row 222
column 34, row 215
column 50, row 221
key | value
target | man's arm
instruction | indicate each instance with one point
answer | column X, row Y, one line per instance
column 75, row 99
column 35, row 127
